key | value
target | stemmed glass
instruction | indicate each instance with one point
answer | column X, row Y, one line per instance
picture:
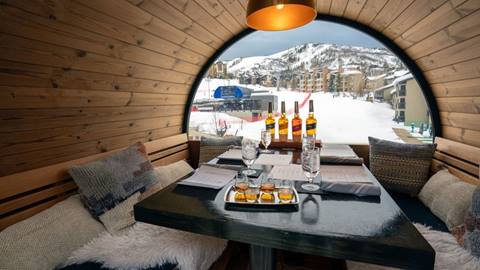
column 308, row 142
column 311, row 167
column 249, row 154
column 266, row 138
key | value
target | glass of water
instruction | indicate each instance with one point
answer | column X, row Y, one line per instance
column 249, row 154
column 308, row 142
column 311, row 167
column 266, row 137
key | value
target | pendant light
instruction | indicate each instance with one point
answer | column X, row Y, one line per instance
column 275, row 15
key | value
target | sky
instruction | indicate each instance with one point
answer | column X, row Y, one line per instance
column 266, row 43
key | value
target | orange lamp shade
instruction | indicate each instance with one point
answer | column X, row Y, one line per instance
column 276, row 15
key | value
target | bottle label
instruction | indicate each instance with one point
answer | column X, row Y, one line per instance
column 270, row 126
column 283, row 126
column 312, row 126
column 296, row 128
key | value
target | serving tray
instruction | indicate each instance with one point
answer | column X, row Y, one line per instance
column 259, row 205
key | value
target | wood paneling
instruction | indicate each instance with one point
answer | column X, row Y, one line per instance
column 78, row 77
column 27, row 193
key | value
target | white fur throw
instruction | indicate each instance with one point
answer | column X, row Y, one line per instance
column 144, row 245
column 449, row 254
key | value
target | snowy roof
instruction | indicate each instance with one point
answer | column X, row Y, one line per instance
column 348, row 72
column 403, row 78
column 393, row 91
column 372, row 78
column 384, row 87
column 397, row 74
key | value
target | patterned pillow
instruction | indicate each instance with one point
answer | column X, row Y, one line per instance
column 105, row 183
column 472, row 225
column 400, row 167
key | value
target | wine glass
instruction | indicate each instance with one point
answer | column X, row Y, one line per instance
column 249, row 154
column 266, row 137
column 311, row 167
column 308, row 142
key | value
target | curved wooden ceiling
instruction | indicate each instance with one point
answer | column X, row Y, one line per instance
column 79, row 77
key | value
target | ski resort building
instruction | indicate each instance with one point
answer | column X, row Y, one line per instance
column 408, row 102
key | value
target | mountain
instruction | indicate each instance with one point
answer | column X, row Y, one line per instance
column 372, row 61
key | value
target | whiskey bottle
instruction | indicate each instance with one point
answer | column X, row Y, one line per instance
column 296, row 125
column 283, row 125
column 311, row 122
column 270, row 121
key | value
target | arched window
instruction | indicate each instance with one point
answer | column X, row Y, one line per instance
column 359, row 87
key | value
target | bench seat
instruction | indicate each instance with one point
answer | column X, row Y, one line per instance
column 417, row 212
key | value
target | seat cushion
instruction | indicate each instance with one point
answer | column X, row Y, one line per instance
column 99, row 266
column 417, row 212
column 472, row 225
column 46, row 239
column 400, row 167
column 105, row 183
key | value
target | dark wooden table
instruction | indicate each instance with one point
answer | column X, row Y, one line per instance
column 372, row 230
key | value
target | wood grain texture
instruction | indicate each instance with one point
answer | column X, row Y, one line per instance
column 69, row 63
column 27, row 193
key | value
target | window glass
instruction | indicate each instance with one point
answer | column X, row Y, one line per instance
column 358, row 87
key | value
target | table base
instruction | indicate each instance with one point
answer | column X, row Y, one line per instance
column 261, row 258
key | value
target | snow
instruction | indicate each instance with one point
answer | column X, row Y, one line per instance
column 403, row 78
column 340, row 119
column 351, row 72
column 320, row 54
column 383, row 87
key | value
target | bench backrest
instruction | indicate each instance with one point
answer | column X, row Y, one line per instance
column 24, row 194
column 462, row 160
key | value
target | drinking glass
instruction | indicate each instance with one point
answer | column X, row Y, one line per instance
column 266, row 190
column 241, row 184
column 308, row 142
column 266, row 138
column 285, row 191
column 249, row 154
column 311, row 167
column 251, row 194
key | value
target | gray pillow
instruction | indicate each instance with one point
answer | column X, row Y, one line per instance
column 400, row 167
column 452, row 203
column 105, row 183
column 213, row 147
column 46, row 239
column 472, row 225
column 435, row 185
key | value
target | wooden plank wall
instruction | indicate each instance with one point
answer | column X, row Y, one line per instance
column 443, row 37
column 79, row 77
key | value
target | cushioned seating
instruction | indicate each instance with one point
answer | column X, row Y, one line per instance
column 417, row 212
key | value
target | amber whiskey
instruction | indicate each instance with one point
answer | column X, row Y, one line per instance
column 283, row 125
column 311, row 122
column 296, row 125
column 270, row 121
column 285, row 195
column 267, row 189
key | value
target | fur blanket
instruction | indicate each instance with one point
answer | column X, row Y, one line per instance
column 144, row 245
column 449, row 255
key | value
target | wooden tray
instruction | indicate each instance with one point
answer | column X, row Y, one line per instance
column 276, row 205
